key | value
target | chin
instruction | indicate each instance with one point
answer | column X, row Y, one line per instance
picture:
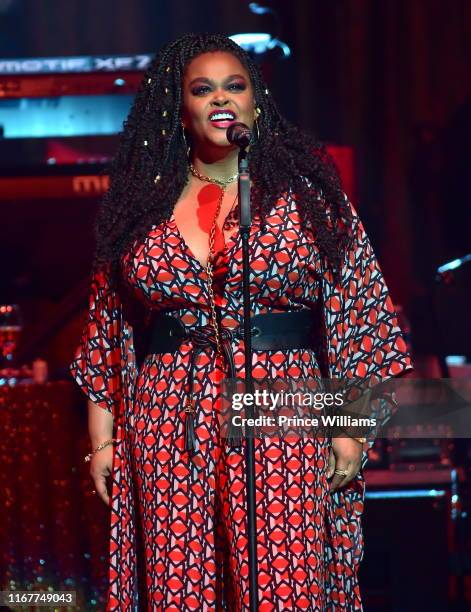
column 215, row 143
column 219, row 138
column 221, row 141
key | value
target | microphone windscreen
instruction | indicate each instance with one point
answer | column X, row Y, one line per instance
column 239, row 134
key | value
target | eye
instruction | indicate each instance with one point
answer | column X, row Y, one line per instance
column 200, row 90
column 237, row 86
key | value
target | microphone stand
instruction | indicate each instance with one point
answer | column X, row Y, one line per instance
column 245, row 223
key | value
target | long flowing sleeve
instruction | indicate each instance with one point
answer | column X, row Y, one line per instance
column 362, row 334
column 97, row 363
column 362, row 341
column 104, row 366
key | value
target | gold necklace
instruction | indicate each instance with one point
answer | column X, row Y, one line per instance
column 212, row 233
column 221, row 182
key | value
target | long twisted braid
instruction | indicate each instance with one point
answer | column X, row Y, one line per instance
column 152, row 144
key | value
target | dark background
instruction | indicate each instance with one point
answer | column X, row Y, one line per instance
column 389, row 78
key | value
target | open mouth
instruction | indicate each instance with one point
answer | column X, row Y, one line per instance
column 222, row 119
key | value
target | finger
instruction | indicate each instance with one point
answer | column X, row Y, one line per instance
column 352, row 470
column 331, row 468
column 338, row 479
column 100, row 486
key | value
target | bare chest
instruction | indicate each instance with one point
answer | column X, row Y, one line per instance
column 194, row 215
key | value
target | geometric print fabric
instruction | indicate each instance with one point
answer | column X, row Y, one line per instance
column 178, row 538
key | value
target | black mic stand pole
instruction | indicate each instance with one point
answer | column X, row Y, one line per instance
column 245, row 223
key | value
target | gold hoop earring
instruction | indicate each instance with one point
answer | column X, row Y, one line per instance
column 258, row 110
column 187, row 146
column 256, row 127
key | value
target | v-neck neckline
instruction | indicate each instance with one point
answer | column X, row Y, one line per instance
column 229, row 243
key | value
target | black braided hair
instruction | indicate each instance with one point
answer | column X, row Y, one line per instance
column 151, row 144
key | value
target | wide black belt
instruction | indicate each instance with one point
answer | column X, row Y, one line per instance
column 269, row 331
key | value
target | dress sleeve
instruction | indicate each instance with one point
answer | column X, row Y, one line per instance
column 363, row 344
column 97, row 363
column 363, row 338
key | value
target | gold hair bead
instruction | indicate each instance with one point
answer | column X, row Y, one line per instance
column 164, row 114
column 167, row 69
column 149, row 81
column 266, row 92
column 145, row 143
column 166, row 90
column 163, row 132
column 157, row 179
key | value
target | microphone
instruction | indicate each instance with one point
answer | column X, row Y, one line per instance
column 239, row 134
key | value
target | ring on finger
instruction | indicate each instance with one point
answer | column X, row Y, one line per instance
column 341, row 472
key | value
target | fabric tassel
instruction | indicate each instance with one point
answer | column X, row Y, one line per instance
column 234, row 439
column 190, row 437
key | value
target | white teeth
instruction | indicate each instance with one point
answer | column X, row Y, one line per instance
column 222, row 117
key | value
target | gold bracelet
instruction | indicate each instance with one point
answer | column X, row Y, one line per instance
column 98, row 448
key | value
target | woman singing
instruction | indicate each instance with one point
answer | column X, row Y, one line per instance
column 169, row 248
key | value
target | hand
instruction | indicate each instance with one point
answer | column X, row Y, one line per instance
column 101, row 466
column 345, row 454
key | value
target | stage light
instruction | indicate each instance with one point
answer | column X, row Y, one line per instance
column 455, row 263
column 405, row 493
column 455, row 360
column 260, row 42
column 259, row 10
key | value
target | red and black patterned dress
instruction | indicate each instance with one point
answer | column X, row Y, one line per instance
column 192, row 542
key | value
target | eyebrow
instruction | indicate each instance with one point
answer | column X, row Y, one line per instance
column 206, row 80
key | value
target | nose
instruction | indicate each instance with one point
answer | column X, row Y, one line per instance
column 220, row 98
